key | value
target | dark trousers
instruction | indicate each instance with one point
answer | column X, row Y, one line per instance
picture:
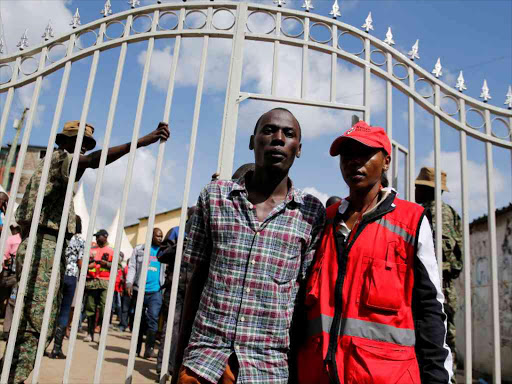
column 151, row 308
column 175, row 333
column 68, row 291
column 127, row 310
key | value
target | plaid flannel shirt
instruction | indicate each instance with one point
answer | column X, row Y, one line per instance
column 255, row 270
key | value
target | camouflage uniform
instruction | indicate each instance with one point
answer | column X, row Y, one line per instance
column 452, row 266
column 42, row 260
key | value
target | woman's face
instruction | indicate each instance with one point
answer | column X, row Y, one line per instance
column 362, row 166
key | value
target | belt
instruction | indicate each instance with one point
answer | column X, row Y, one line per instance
column 52, row 234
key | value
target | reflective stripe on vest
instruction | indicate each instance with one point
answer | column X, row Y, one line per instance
column 408, row 238
column 364, row 329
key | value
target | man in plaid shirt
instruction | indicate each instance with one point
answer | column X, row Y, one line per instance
column 250, row 245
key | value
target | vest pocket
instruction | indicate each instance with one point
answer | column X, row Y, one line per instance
column 371, row 362
column 384, row 285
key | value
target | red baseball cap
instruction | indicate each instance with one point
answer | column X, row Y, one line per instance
column 374, row 137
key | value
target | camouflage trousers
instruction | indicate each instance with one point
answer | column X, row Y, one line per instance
column 34, row 304
column 450, row 305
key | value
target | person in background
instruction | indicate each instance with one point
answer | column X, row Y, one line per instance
column 74, row 254
column 48, row 229
column 374, row 305
column 96, row 284
column 4, row 200
column 8, row 277
column 451, row 246
column 117, row 307
column 126, row 302
column 155, row 279
column 167, row 255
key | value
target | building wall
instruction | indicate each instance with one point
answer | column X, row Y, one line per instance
column 165, row 221
column 482, row 334
column 32, row 159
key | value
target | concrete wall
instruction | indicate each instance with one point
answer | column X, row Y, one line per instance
column 481, row 297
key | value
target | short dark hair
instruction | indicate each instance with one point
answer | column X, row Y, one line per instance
column 278, row 109
column 332, row 200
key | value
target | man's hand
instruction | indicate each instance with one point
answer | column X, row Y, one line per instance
column 129, row 290
column 161, row 133
column 103, row 263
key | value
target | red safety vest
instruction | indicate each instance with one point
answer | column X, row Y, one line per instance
column 98, row 272
column 359, row 300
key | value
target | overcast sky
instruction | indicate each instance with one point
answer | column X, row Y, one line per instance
column 473, row 36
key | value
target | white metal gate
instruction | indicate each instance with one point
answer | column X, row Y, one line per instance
column 239, row 33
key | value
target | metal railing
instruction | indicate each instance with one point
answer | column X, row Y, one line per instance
column 239, row 32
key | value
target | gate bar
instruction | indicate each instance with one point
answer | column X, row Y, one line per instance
column 233, row 97
column 275, row 69
column 494, row 252
column 184, row 207
column 8, row 102
column 334, row 63
column 305, row 61
column 8, row 217
column 409, row 188
column 389, row 114
column 42, row 187
column 367, row 79
column 464, row 175
column 97, row 191
column 131, row 162
column 437, row 186
column 167, row 113
column 68, row 200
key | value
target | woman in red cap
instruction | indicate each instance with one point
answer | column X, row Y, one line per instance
column 374, row 305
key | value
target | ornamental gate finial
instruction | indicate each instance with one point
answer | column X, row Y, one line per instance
column 75, row 21
column 508, row 101
column 438, row 69
column 335, row 11
column 107, row 9
column 368, row 23
column 308, row 4
column 461, row 84
column 134, row 3
column 413, row 53
column 280, row 3
column 485, row 92
column 48, row 31
column 389, row 37
column 23, row 41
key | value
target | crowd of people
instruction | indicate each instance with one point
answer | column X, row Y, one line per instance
column 274, row 286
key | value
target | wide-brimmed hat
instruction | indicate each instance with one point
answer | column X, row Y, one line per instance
column 71, row 130
column 427, row 176
column 374, row 137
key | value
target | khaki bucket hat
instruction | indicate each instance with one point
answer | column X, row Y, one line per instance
column 71, row 130
column 427, row 176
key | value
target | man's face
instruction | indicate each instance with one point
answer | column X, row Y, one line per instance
column 101, row 240
column 362, row 166
column 424, row 194
column 69, row 145
column 157, row 237
column 276, row 141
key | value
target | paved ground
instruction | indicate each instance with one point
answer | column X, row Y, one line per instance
column 84, row 362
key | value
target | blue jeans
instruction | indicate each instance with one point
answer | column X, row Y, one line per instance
column 151, row 307
column 68, row 291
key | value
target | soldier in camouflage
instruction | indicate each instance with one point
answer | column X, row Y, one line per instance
column 30, row 325
column 452, row 246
